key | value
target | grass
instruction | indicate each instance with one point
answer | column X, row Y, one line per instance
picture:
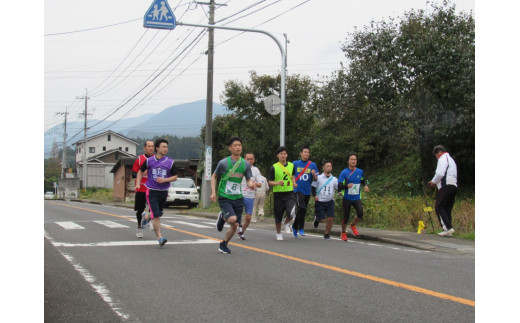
column 386, row 212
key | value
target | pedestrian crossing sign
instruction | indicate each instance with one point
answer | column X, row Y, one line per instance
column 159, row 15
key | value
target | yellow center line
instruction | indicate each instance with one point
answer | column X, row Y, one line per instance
column 313, row 263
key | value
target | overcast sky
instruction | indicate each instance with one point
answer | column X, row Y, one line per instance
column 115, row 64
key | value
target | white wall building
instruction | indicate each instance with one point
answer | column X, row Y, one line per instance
column 103, row 152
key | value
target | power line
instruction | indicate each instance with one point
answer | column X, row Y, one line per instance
column 94, row 28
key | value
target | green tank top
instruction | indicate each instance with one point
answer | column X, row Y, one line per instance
column 280, row 175
column 230, row 185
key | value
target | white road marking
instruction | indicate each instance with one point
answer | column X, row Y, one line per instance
column 68, row 225
column 192, row 224
column 99, row 287
column 131, row 243
column 111, row 224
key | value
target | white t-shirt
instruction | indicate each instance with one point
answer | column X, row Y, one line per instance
column 246, row 191
column 327, row 192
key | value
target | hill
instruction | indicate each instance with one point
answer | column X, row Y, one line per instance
column 183, row 120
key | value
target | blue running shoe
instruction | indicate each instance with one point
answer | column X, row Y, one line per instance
column 220, row 222
column 144, row 223
column 295, row 232
column 162, row 241
column 224, row 248
column 302, row 233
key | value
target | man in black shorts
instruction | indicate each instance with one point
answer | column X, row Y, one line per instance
column 281, row 179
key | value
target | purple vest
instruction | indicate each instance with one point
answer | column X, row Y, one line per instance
column 158, row 168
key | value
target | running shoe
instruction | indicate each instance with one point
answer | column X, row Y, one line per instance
column 279, row 236
column 288, row 228
column 316, row 222
column 354, row 230
column 139, row 233
column 144, row 223
column 162, row 241
column 326, row 236
column 295, row 232
column 447, row 233
column 344, row 236
column 150, row 225
column 224, row 248
column 220, row 222
column 302, row 233
column 241, row 236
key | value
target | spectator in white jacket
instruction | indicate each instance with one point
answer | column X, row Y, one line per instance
column 445, row 179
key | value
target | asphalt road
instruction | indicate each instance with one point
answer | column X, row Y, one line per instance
column 97, row 270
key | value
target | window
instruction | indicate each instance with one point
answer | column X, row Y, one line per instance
column 109, row 137
column 126, row 149
column 120, row 148
column 91, row 150
column 104, row 148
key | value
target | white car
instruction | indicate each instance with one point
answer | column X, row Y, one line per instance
column 183, row 192
column 48, row 195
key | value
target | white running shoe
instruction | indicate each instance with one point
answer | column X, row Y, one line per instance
column 139, row 233
column 279, row 236
column 288, row 228
column 150, row 226
column 447, row 233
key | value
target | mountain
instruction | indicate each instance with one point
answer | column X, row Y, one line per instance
column 183, row 120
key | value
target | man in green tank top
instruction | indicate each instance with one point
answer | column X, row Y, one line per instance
column 281, row 179
column 231, row 171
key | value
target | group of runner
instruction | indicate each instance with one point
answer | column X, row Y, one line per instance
column 293, row 185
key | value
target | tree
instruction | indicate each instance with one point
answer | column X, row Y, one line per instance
column 258, row 129
column 408, row 86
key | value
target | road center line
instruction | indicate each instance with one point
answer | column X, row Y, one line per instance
column 317, row 264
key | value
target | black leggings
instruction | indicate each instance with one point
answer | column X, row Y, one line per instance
column 139, row 206
column 346, row 209
column 299, row 221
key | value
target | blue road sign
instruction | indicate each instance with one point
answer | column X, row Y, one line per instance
column 159, row 15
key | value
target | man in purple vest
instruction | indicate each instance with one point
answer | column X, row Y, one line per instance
column 161, row 171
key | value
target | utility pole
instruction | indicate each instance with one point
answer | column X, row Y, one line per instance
column 85, row 145
column 63, row 157
column 208, row 141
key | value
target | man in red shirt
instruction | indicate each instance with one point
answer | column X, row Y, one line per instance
column 140, row 193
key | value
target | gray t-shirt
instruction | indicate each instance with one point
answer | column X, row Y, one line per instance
column 222, row 168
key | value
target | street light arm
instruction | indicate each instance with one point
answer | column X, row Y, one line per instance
column 282, row 51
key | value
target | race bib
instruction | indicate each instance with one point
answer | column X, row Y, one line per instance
column 233, row 188
column 354, row 190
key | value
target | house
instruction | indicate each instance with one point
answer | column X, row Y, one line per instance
column 102, row 152
column 124, row 184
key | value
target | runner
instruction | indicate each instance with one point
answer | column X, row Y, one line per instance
column 140, row 194
column 161, row 171
column 281, row 179
column 350, row 180
column 249, row 195
column 323, row 190
column 306, row 171
column 231, row 171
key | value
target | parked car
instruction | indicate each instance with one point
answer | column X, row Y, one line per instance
column 48, row 195
column 183, row 192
